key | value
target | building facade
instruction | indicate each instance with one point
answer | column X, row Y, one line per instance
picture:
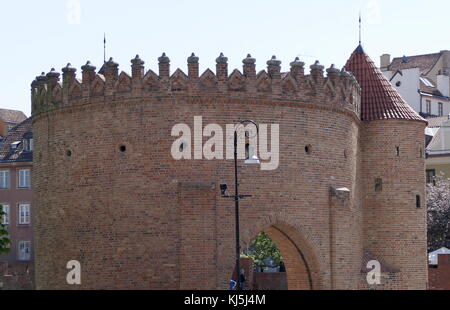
column 438, row 149
column 108, row 193
column 16, row 165
column 439, row 270
column 422, row 80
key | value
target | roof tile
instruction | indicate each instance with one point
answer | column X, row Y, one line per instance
column 16, row 134
column 12, row 116
column 424, row 62
column 379, row 99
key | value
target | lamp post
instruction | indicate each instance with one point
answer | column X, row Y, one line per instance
column 252, row 159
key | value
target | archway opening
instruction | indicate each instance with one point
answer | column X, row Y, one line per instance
column 269, row 270
column 273, row 261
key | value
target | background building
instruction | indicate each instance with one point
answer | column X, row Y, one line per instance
column 439, row 269
column 438, row 148
column 16, row 163
column 422, row 80
column 8, row 120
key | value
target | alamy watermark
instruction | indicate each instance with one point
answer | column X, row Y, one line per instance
column 252, row 142
column 74, row 275
column 374, row 9
column 73, row 12
column 374, row 275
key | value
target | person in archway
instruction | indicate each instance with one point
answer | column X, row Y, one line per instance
column 232, row 285
column 282, row 267
column 242, row 279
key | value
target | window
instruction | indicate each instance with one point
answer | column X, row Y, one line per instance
column 4, row 179
column 308, row 149
column 24, row 214
column 428, row 107
column 24, row 250
column 441, row 109
column 10, row 127
column 378, row 185
column 431, row 175
column 28, row 142
column 24, row 178
column 14, row 146
column 418, row 206
column 28, row 145
column 427, row 82
column 5, row 219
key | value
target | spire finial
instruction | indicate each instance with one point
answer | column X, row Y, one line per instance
column 360, row 29
column 104, row 47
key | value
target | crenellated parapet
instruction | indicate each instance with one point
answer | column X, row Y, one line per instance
column 337, row 88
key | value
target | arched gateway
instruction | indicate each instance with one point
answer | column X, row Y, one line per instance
column 110, row 194
column 299, row 257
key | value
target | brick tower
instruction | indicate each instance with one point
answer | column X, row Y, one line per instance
column 109, row 194
column 393, row 167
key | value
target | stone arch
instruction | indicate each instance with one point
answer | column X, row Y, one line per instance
column 297, row 247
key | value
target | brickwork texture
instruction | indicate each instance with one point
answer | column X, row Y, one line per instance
column 109, row 194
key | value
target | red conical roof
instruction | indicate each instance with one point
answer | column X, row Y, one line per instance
column 379, row 99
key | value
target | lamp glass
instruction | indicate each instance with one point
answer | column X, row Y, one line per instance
column 253, row 160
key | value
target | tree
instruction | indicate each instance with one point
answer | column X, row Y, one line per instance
column 261, row 248
column 438, row 204
column 4, row 241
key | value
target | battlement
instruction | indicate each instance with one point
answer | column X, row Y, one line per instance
column 338, row 87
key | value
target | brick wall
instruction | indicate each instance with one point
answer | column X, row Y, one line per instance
column 273, row 281
column 247, row 265
column 17, row 276
column 439, row 278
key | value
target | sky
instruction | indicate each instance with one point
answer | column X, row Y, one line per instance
column 36, row 36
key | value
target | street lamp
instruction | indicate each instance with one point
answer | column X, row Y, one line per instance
column 252, row 159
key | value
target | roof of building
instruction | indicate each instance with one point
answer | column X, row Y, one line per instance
column 435, row 145
column 427, row 86
column 433, row 256
column 15, row 136
column 424, row 62
column 436, row 122
column 379, row 99
column 438, row 146
column 12, row 116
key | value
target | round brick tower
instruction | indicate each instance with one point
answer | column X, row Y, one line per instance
column 393, row 165
column 109, row 194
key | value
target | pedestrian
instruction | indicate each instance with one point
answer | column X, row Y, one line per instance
column 282, row 267
column 242, row 279
column 232, row 285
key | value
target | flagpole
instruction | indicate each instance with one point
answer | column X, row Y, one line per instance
column 104, row 48
column 360, row 28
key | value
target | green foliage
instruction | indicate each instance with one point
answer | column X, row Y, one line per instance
column 261, row 248
column 4, row 241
